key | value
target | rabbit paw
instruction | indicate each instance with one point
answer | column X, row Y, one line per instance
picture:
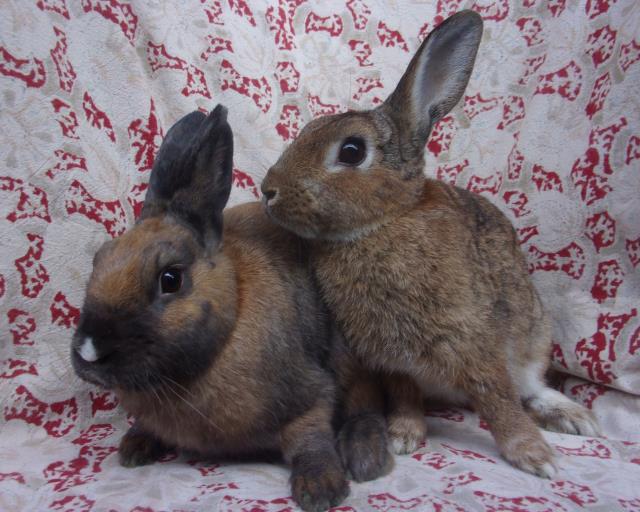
column 406, row 433
column 554, row 411
column 362, row 443
column 318, row 481
column 531, row 454
column 138, row 448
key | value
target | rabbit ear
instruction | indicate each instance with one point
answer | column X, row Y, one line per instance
column 436, row 77
column 191, row 176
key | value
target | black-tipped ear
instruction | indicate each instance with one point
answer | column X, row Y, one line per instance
column 436, row 77
column 192, row 173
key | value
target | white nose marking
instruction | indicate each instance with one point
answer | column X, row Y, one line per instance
column 88, row 350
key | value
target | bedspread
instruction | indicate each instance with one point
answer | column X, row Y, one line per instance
column 548, row 130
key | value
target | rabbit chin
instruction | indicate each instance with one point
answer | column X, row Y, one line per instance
column 353, row 234
column 88, row 374
column 313, row 232
column 302, row 230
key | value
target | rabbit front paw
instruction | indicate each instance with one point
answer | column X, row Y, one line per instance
column 318, row 481
column 362, row 443
column 137, row 448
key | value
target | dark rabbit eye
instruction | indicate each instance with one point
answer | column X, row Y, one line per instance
column 352, row 152
column 170, row 280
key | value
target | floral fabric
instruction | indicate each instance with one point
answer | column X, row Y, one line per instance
column 548, row 130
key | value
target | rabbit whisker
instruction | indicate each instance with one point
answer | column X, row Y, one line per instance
column 180, row 386
column 193, row 407
column 158, row 401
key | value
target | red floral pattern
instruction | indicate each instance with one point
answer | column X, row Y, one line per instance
column 548, row 130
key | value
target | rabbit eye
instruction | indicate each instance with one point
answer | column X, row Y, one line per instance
column 352, row 152
column 171, row 280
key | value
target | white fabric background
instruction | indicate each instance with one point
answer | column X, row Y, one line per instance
column 548, row 131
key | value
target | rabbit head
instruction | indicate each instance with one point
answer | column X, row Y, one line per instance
column 345, row 173
column 159, row 302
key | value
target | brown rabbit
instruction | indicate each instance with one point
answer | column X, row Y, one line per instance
column 426, row 280
column 221, row 349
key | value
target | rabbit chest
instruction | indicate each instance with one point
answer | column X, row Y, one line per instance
column 411, row 294
column 216, row 416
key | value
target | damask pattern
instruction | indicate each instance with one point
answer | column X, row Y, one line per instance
column 548, row 130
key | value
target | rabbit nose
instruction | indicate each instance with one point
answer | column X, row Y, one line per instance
column 270, row 195
column 87, row 350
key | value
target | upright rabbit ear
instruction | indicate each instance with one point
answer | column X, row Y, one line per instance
column 191, row 176
column 436, row 77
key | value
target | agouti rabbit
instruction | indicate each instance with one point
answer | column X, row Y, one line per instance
column 220, row 349
column 426, row 280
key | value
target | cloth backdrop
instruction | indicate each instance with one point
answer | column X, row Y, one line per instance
column 548, row 130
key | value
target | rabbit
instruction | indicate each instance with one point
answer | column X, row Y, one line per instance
column 426, row 280
column 208, row 326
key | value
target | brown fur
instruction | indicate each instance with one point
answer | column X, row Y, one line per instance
column 233, row 402
column 234, row 361
column 407, row 426
column 425, row 280
column 308, row 445
column 362, row 439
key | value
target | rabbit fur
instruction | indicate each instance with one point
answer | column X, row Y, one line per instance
column 222, row 349
column 426, row 280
